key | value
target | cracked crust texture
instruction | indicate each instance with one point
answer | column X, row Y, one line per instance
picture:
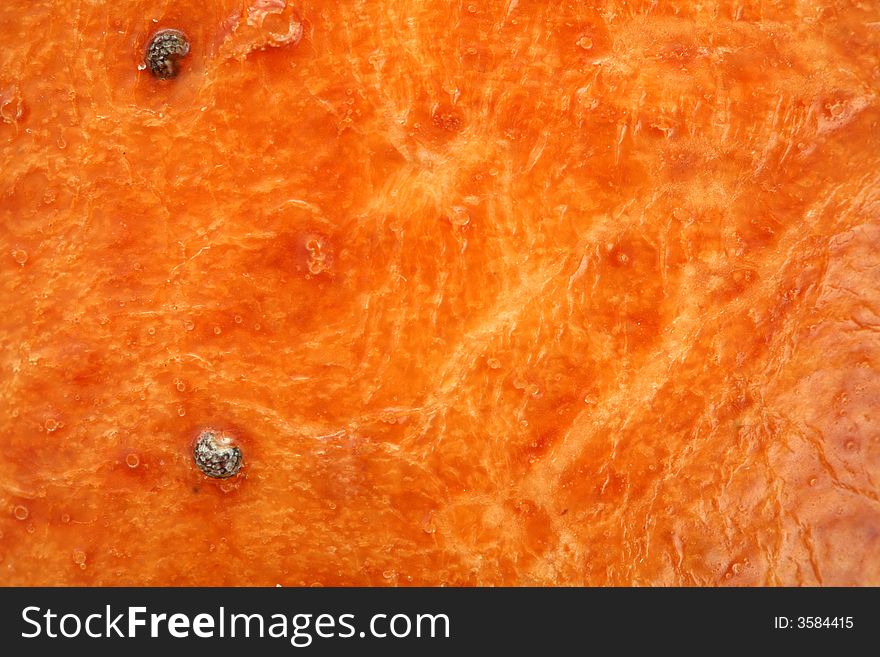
column 491, row 292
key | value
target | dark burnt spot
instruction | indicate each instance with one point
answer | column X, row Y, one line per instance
column 164, row 51
column 216, row 455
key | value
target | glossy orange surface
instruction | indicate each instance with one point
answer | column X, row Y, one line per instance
column 499, row 292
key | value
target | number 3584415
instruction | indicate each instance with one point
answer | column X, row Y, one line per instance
column 814, row 622
column 810, row 622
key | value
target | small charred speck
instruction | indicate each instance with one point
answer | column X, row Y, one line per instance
column 216, row 455
column 164, row 50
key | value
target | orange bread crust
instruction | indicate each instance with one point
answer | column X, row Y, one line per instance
column 493, row 292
